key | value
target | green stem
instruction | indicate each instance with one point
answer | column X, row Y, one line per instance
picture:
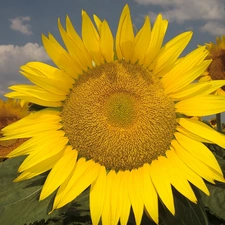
column 218, row 122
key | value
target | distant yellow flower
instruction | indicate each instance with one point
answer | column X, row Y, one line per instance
column 122, row 117
column 10, row 112
column 216, row 70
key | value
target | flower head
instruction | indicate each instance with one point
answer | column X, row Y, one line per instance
column 216, row 70
column 10, row 112
column 122, row 118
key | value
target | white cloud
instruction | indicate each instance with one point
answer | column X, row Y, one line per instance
column 214, row 28
column 19, row 24
column 12, row 57
column 158, row 2
column 180, row 11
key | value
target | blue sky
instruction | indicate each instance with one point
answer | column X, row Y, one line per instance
column 23, row 21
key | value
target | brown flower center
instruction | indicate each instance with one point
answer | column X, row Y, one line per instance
column 7, row 146
column 217, row 68
column 119, row 115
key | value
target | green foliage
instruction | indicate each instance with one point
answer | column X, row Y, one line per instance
column 186, row 212
column 19, row 204
column 19, row 200
column 215, row 203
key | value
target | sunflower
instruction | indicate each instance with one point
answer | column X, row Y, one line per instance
column 121, row 118
column 216, row 70
column 213, row 123
column 11, row 111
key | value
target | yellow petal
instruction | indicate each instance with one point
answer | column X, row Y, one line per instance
column 116, row 198
column 197, row 89
column 201, row 105
column 205, row 78
column 196, row 165
column 39, row 168
column 203, row 130
column 33, row 144
column 221, row 92
column 76, row 52
column 38, row 92
column 171, row 51
column 98, row 22
column 157, row 36
column 22, row 94
column 198, row 150
column 191, row 135
column 106, row 212
column 124, row 35
column 44, row 151
column 141, row 40
column 150, row 196
column 33, row 124
column 161, row 182
column 91, row 38
column 125, row 203
column 181, row 79
column 78, row 45
column 126, row 38
column 61, row 190
column 58, row 175
column 106, row 42
column 135, row 194
column 177, row 179
column 97, row 196
column 47, row 77
column 188, row 173
column 60, row 57
column 185, row 66
column 83, row 176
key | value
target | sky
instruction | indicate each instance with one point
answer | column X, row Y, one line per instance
column 22, row 22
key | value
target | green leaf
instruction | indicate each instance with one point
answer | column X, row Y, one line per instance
column 19, row 202
column 145, row 219
column 216, row 201
column 216, row 150
column 186, row 212
column 221, row 161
